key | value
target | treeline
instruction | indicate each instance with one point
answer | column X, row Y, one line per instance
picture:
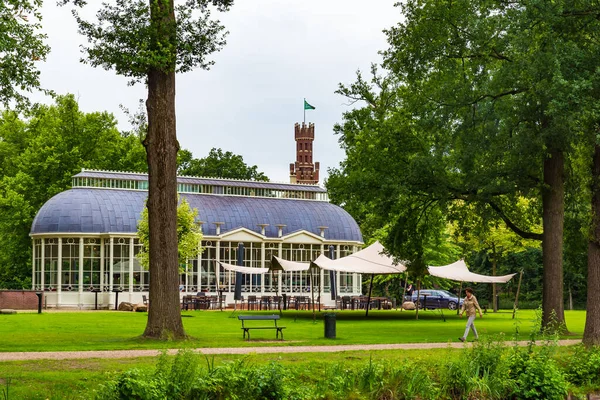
column 43, row 147
column 483, row 118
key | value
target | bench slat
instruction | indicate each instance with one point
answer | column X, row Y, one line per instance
column 258, row 317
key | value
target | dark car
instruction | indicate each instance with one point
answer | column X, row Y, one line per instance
column 436, row 298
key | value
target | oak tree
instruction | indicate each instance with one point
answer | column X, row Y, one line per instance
column 150, row 41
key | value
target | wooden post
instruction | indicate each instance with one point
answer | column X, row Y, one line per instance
column 517, row 295
column 404, row 291
column 458, row 300
column 369, row 297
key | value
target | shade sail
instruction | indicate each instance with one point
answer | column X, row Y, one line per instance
column 369, row 260
column 243, row 270
column 459, row 271
column 279, row 264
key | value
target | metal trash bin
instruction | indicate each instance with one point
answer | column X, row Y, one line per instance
column 329, row 325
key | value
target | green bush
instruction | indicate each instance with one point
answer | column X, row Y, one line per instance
column 487, row 370
column 583, row 368
column 537, row 376
column 479, row 372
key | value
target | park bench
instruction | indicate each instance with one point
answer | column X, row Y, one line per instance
column 274, row 318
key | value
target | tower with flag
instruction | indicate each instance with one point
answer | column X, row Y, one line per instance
column 304, row 170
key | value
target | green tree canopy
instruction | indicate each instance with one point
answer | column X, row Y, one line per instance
column 38, row 157
column 189, row 234
column 21, row 47
column 479, row 104
column 218, row 164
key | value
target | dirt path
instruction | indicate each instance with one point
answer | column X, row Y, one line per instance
column 67, row 355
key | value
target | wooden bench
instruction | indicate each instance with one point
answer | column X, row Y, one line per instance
column 274, row 318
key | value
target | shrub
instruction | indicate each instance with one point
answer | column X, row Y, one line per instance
column 479, row 372
column 583, row 368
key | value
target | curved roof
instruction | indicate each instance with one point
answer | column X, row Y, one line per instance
column 88, row 210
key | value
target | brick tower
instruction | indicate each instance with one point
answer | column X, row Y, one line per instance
column 303, row 170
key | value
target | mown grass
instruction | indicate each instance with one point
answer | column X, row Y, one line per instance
column 111, row 330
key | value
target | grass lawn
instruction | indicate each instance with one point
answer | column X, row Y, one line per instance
column 104, row 330
column 111, row 330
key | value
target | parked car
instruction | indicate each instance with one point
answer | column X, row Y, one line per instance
column 436, row 298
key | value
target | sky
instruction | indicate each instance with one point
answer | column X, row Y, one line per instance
column 278, row 52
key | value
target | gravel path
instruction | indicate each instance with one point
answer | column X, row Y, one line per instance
column 70, row 355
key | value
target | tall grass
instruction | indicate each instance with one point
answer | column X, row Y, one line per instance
column 489, row 369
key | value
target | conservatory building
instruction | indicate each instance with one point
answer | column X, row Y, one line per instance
column 85, row 239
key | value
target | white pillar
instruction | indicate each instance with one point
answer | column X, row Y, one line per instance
column 262, row 265
column 217, row 259
column 102, row 264
column 59, row 275
column 42, row 266
column 111, row 302
column 131, row 257
column 102, row 283
column 279, row 254
column 198, row 272
column 80, row 273
column 321, row 279
column 337, row 274
column 33, row 264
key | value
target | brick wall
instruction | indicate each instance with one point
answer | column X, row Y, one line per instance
column 19, row 299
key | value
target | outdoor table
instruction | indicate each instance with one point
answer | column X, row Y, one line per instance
column 117, row 291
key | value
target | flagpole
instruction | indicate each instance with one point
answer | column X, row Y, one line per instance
column 304, row 107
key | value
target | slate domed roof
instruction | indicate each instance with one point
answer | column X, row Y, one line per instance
column 88, row 210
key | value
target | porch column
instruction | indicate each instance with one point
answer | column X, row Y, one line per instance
column 102, row 283
column 80, row 274
column 33, row 264
column 59, row 272
column 42, row 266
column 131, row 258
column 111, row 302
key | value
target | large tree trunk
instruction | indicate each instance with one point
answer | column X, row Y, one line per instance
column 164, row 313
column 591, row 334
column 552, row 244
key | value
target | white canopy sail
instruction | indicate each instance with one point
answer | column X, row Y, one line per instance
column 459, row 271
column 243, row 270
column 279, row 264
column 369, row 260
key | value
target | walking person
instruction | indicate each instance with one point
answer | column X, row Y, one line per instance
column 409, row 292
column 471, row 307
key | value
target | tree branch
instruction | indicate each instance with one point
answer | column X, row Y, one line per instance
column 512, row 226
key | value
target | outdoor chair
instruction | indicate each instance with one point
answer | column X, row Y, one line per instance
column 346, row 301
column 252, row 302
column 265, row 302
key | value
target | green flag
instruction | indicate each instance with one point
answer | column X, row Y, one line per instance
column 308, row 106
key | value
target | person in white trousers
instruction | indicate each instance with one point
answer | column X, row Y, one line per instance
column 470, row 306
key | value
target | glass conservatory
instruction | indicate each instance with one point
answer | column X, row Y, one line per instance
column 85, row 243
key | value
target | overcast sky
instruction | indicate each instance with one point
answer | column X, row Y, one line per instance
column 278, row 52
